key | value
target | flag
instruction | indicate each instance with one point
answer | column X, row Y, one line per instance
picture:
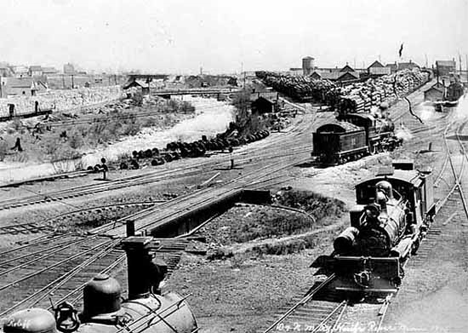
column 401, row 50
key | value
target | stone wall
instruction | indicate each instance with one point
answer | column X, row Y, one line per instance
column 61, row 100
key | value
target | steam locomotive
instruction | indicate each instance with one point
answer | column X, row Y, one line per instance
column 146, row 309
column 352, row 137
column 393, row 213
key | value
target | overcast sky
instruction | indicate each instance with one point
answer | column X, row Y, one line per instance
column 163, row 36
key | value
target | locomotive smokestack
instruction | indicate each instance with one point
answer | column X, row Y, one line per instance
column 144, row 272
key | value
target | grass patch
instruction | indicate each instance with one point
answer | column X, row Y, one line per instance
column 247, row 223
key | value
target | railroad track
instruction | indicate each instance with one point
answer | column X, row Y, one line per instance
column 322, row 310
column 25, row 228
column 242, row 158
column 445, row 239
column 59, row 265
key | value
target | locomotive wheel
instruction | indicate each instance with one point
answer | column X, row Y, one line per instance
column 415, row 247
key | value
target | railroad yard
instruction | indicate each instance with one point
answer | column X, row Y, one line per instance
column 237, row 279
column 328, row 198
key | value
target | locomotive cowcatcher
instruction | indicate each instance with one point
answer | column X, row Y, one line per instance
column 393, row 212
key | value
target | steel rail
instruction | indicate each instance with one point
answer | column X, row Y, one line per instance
column 310, row 294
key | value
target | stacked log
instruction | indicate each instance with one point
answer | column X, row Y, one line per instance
column 300, row 88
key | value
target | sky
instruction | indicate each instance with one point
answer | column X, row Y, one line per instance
column 174, row 36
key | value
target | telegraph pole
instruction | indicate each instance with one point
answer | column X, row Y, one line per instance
column 466, row 66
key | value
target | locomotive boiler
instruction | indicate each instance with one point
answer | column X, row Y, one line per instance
column 146, row 308
column 393, row 212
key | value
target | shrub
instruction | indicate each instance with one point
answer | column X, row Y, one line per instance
column 76, row 139
column 3, row 149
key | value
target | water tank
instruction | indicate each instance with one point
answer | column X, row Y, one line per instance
column 307, row 65
column 30, row 321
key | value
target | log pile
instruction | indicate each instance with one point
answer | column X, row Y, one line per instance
column 362, row 96
column 356, row 97
column 299, row 88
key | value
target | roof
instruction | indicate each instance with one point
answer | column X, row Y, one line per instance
column 309, row 58
column 347, row 68
column 353, row 75
column 49, row 70
column 434, row 88
column 391, row 65
column 24, row 82
column 407, row 65
column 266, row 98
column 445, row 63
column 376, row 64
column 35, row 68
column 439, row 85
column 327, row 75
column 338, row 127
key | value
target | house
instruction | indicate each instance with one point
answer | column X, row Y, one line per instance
column 5, row 71
column 137, row 83
column 49, row 71
column 20, row 71
column 69, row 69
column 445, row 67
column 407, row 65
column 264, row 105
column 25, row 86
column 393, row 67
column 434, row 94
column 35, row 71
column 377, row 69
column 295, row 71
column 454, row 91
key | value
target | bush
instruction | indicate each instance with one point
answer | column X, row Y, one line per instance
column 3, row 149
column 76, row 139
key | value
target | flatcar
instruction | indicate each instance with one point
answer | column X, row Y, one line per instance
column 393, row 213
column 351, row 137
column 146, row 308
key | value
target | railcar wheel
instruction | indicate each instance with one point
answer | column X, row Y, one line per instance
column 415, row 247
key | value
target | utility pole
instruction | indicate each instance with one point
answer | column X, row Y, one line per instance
column 466, row 66
column 459, row 60
column 73, row 81
column 426, row 59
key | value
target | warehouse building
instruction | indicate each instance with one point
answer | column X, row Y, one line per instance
column 445, row 67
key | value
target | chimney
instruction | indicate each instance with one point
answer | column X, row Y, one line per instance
column 144, row 272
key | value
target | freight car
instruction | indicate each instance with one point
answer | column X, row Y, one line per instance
column 393, row 212
column 145, row 309
column 352, row 137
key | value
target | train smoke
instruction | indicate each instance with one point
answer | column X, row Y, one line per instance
column 426, row 111
column 403, row 133
column 461, row 111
